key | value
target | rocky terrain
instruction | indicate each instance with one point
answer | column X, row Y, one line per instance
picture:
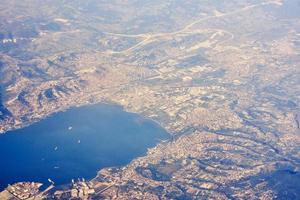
column 223, row 77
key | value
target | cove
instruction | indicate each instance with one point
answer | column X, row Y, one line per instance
column 75, row 144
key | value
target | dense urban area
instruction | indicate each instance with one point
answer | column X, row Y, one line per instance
column 222, row 77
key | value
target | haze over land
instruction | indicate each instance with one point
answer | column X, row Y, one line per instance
column 222, row 77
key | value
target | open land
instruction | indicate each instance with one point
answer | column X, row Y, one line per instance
column 223, row 77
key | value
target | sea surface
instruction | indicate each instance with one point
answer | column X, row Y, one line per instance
column 75, row 144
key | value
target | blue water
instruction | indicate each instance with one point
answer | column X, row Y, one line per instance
column 101, row 136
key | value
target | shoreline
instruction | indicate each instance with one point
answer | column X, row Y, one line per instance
column 112, row 105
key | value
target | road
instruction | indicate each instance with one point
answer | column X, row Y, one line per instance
column 149, row 37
